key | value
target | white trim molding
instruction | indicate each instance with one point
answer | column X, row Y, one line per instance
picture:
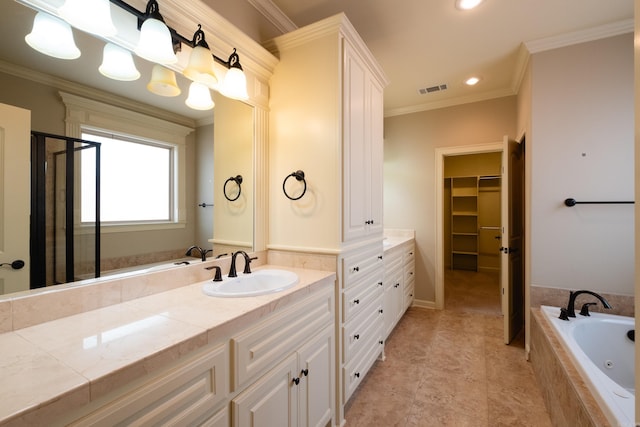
column 98, row 115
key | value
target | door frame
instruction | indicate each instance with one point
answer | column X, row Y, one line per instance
column 440, row 154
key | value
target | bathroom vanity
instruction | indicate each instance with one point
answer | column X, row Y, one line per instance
column 179, row 357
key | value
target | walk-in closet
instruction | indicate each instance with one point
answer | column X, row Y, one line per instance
column 472, row 212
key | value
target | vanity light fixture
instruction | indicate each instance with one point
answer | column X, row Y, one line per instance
column 117, row 64
column 467, row 4
column 53, row 37
column 200, row 67
column 234, row 84
column 199, row 97
column 156, row 43
column 163, row 82
column 91, row 16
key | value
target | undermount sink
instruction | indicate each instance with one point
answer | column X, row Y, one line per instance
column 260, row 282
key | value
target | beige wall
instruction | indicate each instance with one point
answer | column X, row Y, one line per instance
column 581, row 146
column 409, row 168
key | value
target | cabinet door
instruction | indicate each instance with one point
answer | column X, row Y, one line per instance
column 393, row 300
column 271, row 401
column 356, row 155
column 315, row 362
column 375, row 175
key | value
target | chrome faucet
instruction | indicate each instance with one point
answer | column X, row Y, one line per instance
column 203, row 252
column 570, row 310
column 247, row 261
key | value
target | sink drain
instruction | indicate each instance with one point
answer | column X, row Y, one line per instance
column 608, row 364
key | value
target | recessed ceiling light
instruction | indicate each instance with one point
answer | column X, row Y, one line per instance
column 472, row 81
column 467, row 4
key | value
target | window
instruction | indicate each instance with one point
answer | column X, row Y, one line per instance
column 159, row 155
column 136, row 179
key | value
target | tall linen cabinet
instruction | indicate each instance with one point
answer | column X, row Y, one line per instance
column 326, row 119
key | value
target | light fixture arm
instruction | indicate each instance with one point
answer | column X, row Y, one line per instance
column 152, row 10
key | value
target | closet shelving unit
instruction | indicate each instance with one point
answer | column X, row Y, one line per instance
column 464, row 223
column 465, row 219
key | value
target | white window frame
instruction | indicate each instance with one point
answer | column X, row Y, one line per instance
column 83, row 113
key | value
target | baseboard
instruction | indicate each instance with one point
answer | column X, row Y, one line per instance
column 423, row 304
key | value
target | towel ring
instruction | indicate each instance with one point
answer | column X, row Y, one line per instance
column 299, row 176
column 238, row 180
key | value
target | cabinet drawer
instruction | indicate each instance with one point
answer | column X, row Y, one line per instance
column 356, row 299
column 221, row 419
column 408, row 295
column 186, row 395
column 259, row 348
column 392, row 260
column 360, row 265
column 354, row 371
column 409, row 254
column 409, row 272
column 361, row 332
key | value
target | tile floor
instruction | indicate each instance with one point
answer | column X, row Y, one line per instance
column 451, row 368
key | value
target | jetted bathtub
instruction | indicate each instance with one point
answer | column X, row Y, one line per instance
column 604, row 354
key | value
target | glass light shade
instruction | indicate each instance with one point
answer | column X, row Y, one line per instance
column 199, row 97
column 163, row 82
column 117, row 64
column 155, row 43
column 234, row 84
column 91, row 16
column 200, row 67
column 53, row 37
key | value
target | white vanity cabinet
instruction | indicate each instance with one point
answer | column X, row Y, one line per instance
column 285, row 367
column 297, row 392
column 393, row 289
column 191, row 392
column 276, row 369
column 362, row 321
column 326, row 118
column 399, row 283
column 362, row 149
column 409, row 271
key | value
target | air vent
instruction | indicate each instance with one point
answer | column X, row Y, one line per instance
column 432, row 89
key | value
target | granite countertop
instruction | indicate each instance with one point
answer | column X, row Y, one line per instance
column 53, row 367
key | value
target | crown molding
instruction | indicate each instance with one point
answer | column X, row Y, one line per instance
column 450, row 102
column 274, row 15
column 337, row 24
column 591, row 34
column 520, row 69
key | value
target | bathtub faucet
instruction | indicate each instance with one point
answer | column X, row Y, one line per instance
column 570, row 311
column 203, row 252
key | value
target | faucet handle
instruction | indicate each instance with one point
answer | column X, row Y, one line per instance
column 564, row 314
column 247, row 268
column 584, row 311
column 218, row 274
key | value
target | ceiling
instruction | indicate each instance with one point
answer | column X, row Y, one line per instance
column 424, row 43
column 419, row 44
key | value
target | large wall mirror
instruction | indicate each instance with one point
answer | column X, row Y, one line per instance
column 220, row 146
